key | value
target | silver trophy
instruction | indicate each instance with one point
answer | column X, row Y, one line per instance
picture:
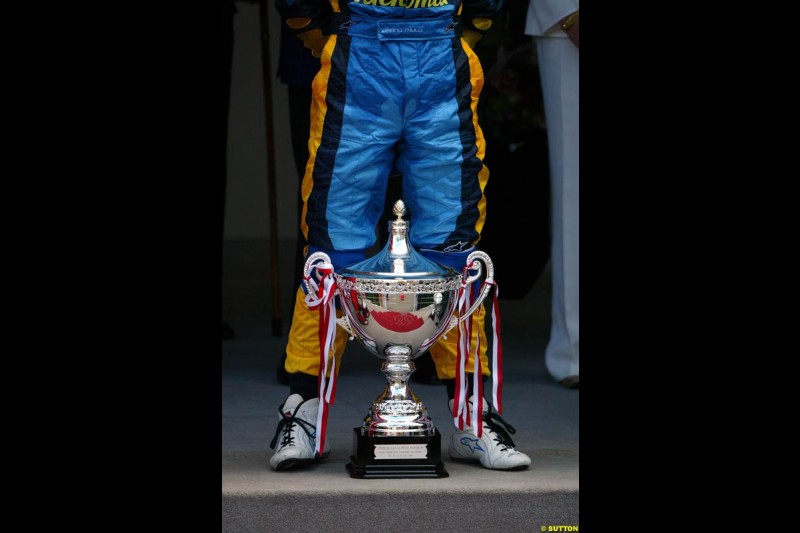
column 398, row 304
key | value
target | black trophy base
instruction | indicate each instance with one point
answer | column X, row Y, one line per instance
column 381, row 457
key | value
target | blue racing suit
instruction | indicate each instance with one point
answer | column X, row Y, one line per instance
column 398, row 85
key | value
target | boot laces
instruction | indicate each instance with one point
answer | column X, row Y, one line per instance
column 286, row 425
column 501, row 430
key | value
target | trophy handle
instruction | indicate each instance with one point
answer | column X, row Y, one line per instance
column 310, row 264
column 315, row 261
column 474, row 261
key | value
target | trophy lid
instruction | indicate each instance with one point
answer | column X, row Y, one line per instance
column 398, row 259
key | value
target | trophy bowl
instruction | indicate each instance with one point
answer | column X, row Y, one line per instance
column 398, row 304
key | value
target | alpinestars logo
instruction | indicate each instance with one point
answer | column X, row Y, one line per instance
column 472, row 444
column 346, row 25
column 451, row 27
column 457, row 247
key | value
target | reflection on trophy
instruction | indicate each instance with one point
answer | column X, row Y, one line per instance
column 398, row 304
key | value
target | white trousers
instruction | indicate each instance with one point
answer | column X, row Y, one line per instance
column 558, row 70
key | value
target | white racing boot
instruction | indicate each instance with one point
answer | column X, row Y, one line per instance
column 494, row 450
column 297, row 432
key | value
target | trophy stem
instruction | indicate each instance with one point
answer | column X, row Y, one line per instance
column 398, row 370
column 398, row 411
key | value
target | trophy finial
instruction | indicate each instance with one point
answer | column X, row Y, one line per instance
column 398, row 247
column 399, row 209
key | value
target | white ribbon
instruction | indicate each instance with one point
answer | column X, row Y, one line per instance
column 322, row 298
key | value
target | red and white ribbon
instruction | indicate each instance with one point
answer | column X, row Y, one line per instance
column 497, row 351
column 322, row 298
column 462, row 349
column 461, row 407
column 477, row 385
